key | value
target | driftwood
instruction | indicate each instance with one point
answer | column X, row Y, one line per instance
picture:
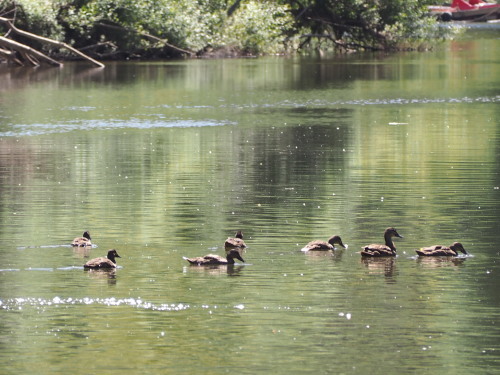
column 28, row 53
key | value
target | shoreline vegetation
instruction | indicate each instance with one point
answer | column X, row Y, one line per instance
column 35, row 32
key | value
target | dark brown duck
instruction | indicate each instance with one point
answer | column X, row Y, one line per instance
column 213, row 259
column 103, row 262
column 439, row 250
column 319, row 245
column 85, row 240
column 235, row 242
column 378, row 250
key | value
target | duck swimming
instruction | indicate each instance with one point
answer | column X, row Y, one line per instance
column 82, row 241
column 376, row 250
column 319, row 245
column 439, row 250
column 102, row 262
column 213, row 259
column 235, row 242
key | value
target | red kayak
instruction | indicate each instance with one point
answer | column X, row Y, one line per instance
column 463, row 10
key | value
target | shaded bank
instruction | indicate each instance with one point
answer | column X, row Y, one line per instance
column 105, row 29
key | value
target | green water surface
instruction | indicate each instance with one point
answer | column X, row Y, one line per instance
column 167, row 159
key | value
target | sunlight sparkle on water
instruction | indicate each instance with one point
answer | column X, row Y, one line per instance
column 18, row 303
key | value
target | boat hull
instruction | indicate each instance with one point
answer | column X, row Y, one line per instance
column 461, row 10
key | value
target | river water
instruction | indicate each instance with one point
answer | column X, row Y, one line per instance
column 166, row 159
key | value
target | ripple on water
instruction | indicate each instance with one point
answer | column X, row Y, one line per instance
column 161, row 122
column 50, row 128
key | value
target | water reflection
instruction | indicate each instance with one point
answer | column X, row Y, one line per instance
column 82, row 251
column 216, row 270
column 437, row 262
column 108, row 274
column 165, row 159
column 380, row 266
column 335, row 255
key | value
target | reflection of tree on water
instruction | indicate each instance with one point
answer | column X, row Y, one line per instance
column 384, row 265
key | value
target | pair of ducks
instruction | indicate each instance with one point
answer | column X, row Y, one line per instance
column 233, row 245
column 96, row 263
column 379, row 250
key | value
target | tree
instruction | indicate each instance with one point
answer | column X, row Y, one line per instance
column 171, row 28
column 368, row 24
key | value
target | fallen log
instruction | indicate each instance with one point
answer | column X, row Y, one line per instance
column 9, row 56
column 25, row 49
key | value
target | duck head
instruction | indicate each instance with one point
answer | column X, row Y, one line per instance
column 239, row 234
column 388, row 234
column 86, row 235
column 336, row 240
column 457, row 246
column 112, row 254
column 391, row 232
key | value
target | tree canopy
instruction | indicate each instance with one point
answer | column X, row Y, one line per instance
column 168, row 28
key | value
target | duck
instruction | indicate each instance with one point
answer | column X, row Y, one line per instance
column 439, row 250
column 235, row 242
column 102, row 262
column 376, row 250
column 85, row 240
column 319, row 245
column 214, row 259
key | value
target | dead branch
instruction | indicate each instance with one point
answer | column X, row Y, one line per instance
column 22, row 47
column 9, row 56
column 98, row 45
column 145, row 35
column 338, row 43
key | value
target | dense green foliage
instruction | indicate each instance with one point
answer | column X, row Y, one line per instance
column 377, row 24
column 173, row 27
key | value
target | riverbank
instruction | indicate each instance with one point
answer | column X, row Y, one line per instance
column 111, row 30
